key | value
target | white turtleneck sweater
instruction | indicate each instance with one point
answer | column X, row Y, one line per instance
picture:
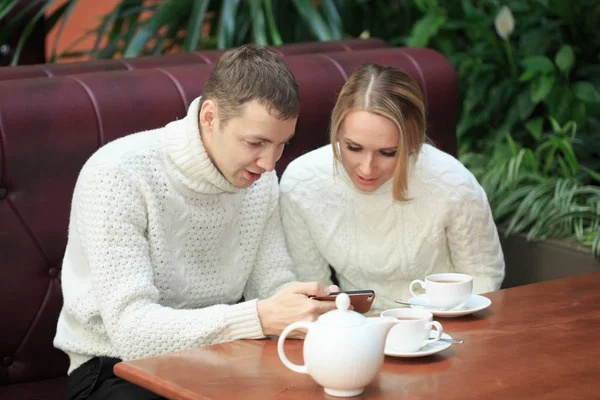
column 374, row 242
column 162, row 247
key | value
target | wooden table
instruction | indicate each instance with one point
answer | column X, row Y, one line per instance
column 535, row 341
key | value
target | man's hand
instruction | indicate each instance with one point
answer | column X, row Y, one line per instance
column 293, row 304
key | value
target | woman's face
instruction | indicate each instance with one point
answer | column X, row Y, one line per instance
column 368, row 144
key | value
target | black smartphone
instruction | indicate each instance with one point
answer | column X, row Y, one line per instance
column 361, row 300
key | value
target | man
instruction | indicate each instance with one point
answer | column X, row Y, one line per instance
column 170, row 228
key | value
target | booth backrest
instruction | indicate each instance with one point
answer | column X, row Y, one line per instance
column 201, row 57
column 49, row 128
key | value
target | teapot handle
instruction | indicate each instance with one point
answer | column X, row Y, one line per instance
column 294, row 367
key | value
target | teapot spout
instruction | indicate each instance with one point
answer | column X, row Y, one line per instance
column 381, row 325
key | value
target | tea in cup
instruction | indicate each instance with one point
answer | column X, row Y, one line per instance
column 447, row 290
column 411, row 331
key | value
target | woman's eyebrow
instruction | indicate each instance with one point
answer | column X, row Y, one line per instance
column 352, row 142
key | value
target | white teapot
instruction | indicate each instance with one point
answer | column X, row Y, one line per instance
column 343, row 350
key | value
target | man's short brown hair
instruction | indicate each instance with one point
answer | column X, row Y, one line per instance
column 249, row 73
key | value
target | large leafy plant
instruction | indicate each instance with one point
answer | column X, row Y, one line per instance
column 144, row 27
column 538, row 190
column 529, row 74
column 547, row 66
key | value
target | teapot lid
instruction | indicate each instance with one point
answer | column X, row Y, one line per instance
column 342, row 317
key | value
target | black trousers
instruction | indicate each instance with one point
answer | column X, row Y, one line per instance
column 95, row 380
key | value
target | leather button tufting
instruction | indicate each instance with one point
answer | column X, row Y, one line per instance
column 3, row 192
column 53, row 272
column 8, row 360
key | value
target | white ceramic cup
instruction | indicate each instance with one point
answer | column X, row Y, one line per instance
column 446, row 290
column 412, row 329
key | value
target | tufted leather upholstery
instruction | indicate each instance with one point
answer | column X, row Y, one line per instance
column 204, row 57
column 49, row 127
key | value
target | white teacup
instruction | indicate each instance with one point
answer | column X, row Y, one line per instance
column 412, row 329
column 446, row 290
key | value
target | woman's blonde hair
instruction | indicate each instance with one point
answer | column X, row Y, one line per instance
column 393, row 94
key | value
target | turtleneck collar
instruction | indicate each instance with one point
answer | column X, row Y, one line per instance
column 187, row 158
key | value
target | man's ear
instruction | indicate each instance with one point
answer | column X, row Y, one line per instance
column 208, row 116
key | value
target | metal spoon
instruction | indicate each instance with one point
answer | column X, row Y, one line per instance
column 453, row 341
column 406, row 303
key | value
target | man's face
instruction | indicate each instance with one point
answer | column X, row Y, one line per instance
column 248, row 145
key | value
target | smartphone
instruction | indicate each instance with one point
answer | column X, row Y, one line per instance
column 361, row 300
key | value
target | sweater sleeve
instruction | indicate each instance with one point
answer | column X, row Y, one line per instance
column 473, row 238
column 111, row 220
column 309, row 264
column 272, row 270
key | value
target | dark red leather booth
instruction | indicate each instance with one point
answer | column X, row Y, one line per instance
column 49, row 127
column 203, row 57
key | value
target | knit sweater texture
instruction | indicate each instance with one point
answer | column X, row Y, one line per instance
column 161, row 249
column 374, row 242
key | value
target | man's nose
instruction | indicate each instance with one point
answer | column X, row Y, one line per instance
column 268, row 158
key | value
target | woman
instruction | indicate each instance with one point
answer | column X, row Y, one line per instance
column 382, row 207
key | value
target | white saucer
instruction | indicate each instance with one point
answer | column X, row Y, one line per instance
column 428, row 350
column 474, row 304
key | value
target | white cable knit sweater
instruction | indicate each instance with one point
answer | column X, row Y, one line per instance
column 375, row 242
column 161, row 247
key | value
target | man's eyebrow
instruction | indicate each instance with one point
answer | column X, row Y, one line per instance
column 267, row 140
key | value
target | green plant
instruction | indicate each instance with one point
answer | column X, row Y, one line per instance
column 547, row 66
column 143, row 27
column 539, row 190
column 15, row 14
column 528, row 71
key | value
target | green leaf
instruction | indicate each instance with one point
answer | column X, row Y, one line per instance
column 535, row 65
column 526, row 106
column 16, row 19
column 559, row 102
column 259, row 32
column 470, row 12
column 271, row 23
column 541, row 87
column 313, row 19
column 578, row 112
column 195, row 24
column 227, row 26
column 565, row 59
column 531, row 204
column 28, row 29
column 512, row 201
column 534, row 42
column 6, row 7
column 512, row 145
column 70, row 5
column 168, row 11
column 591, row 173
column 426, row 28
column 586, row 92
column 333, row 18
column 53, row 18
column 565, row 147
column 535, row 127
column 563, row 167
